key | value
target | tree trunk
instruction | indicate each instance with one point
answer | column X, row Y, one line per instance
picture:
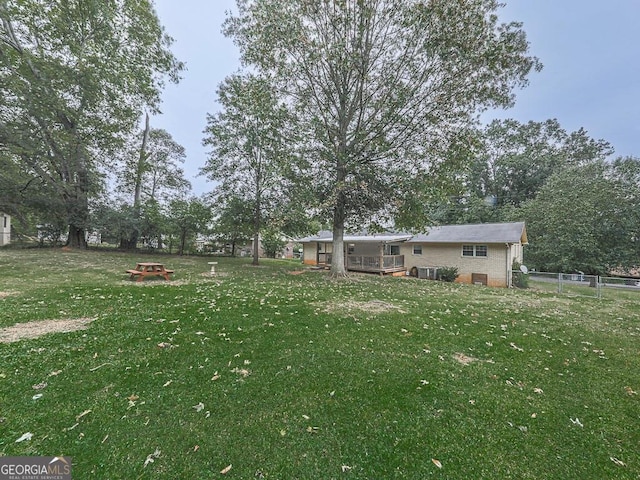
column 256, row 220
column 76, row 198
column 132, row 242
column 256, row 249
column 338, row 269
column 183, row 241
column 76, row 237
column 128, row 243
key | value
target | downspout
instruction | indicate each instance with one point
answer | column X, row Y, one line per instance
column 508, row 262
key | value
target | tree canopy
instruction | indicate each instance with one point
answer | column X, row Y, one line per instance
column 249, row 154
column 382, row 88
column 585, row 218
column 74, row 77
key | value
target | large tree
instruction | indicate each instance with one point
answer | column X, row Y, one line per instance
column 518, row 158
column 248, row 154
column 383, row 87
column 233, row 222
column 512, row 163
column 150, row 177
column 187, row 218
column 74, row 75
column 585, row 218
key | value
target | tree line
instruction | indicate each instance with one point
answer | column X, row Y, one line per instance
column 347, row 115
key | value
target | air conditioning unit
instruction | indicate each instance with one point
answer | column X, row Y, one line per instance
column 428, row 273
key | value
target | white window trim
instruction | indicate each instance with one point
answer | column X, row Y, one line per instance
column 414, row 250
column 475, row 251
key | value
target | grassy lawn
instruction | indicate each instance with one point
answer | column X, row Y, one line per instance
column 283, row 375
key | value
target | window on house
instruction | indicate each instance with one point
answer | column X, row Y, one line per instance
column 351, row 248
column 392, row 249
column 474, row 250
column 5, row 221
column 417, row 249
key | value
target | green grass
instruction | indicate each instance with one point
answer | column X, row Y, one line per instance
column 297, row 376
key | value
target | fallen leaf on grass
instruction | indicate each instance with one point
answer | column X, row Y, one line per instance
column 25, row 436
column 242, row 371
column 133, row 397
column 576, row 421
column 436, row 463
column 36, row 396
column 199, row 407
column 86, row 412
column 151, row 457
column 630, row 391
column 40, row 386
column 225, row 470
column 538, row 390
column 515, row 347
column 55, row 372
column 168, row 383
column 345, row 468
column 620, row 463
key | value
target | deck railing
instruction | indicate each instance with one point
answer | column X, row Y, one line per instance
column 369, row 263
column 324, row 258
column 375, row 263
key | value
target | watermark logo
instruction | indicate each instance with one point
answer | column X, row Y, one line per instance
column 35, row 468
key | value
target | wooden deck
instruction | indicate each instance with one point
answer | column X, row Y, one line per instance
column 376, row 264
column 384, row 264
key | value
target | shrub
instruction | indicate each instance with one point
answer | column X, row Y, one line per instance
column 447, row 274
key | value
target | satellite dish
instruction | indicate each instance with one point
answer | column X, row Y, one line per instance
column 524, row 269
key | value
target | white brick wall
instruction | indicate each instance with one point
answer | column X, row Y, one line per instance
column 494, row 265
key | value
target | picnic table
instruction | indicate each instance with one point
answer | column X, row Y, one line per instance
column 149, row 269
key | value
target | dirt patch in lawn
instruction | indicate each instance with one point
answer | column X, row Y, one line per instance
column 371, row 306
column 35, row 329
column 6, row 294
column 464, row 359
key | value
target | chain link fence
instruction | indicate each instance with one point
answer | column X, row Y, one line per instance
column 577, row 284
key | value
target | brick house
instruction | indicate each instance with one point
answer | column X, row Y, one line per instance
column 482, row 253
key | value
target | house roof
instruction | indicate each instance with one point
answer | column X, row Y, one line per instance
column 514, row 232
column 327, row 236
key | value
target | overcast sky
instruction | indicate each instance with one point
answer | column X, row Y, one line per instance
column 589, row 48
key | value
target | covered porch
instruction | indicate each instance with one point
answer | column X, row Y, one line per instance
column 372, row 253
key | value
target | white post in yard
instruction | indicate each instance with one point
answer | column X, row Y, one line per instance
column 213, row 268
